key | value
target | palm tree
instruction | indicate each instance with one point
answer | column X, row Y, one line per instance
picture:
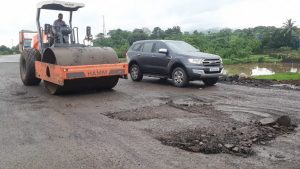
column 289, row 29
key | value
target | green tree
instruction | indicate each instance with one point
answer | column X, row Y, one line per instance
column 176, row 30
column 277, row 40
column 15, row 49
column 195, row 32
column 119, row 37
column 158, row 33
column 289, row 29
column 119, row 40
column 5, row 50
column 137, row 34
column 228, row 43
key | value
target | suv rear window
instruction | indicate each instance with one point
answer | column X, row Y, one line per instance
column 137, row 47
column 148, row 47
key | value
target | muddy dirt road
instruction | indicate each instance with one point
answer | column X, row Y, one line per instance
column 123, row 128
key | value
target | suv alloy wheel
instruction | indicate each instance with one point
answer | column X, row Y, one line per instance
column 179, row 77
column 135, row 73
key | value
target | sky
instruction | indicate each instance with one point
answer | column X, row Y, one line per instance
column 190, row 15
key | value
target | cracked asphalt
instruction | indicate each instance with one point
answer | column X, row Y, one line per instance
column 118, row 128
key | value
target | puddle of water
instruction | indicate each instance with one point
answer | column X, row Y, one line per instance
column 261, row 71
column 262, row 68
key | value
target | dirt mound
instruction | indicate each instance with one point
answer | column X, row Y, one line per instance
column 234, row 140
column 248, row 81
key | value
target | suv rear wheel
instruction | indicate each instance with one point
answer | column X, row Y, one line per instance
column 135, row 72
column 179, row 77
column 210, row 81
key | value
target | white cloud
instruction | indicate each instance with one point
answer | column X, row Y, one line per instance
column 130, row 14
column 251, row 13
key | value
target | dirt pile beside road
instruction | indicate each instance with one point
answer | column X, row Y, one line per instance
column 234, row 140
column 248, row 81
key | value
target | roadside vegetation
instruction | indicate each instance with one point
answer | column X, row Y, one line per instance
column 252, row 45
column 280, row 76
column 8, row 51
column 259, row 58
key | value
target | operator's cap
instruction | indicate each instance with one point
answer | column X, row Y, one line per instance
column 60, row 14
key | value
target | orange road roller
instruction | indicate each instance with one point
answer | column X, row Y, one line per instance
column 53, row 54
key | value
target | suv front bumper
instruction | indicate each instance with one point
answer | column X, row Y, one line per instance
column 200, row 72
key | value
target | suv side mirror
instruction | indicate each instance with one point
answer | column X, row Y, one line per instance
column 165, row 51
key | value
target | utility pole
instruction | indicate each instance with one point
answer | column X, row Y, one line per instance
column 104, row 30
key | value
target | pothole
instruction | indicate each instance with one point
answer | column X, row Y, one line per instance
column 148, row 113
column 237, row 140
column 200, row 107
column 177, row 107
column 188, row 100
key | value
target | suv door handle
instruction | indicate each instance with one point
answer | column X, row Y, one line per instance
column 153, row 56
column 138, row 54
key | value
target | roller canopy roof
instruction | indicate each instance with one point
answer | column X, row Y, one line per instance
column 60, row 5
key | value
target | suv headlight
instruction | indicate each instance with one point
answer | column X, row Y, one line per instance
column 196, row 61
column 221, row 60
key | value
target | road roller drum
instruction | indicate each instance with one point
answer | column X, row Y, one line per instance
column 73, row 56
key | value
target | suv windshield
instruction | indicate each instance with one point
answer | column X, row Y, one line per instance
column 180, row 46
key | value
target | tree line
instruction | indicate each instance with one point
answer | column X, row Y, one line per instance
column 227, row 43
column 4, row 50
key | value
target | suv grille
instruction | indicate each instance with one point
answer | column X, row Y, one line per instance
column 208, row 72
column 212, row 62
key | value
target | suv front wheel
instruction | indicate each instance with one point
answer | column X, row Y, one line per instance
column 135, row 72
column 179, row 77
column 210, row 81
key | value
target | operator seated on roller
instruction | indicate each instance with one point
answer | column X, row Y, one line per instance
column 60, row 29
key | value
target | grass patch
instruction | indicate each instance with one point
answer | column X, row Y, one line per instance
column 122, row 60
column 252, row 59
column 280, row 76
column 284, row 53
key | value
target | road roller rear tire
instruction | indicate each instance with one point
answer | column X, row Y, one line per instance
column 27, row 67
